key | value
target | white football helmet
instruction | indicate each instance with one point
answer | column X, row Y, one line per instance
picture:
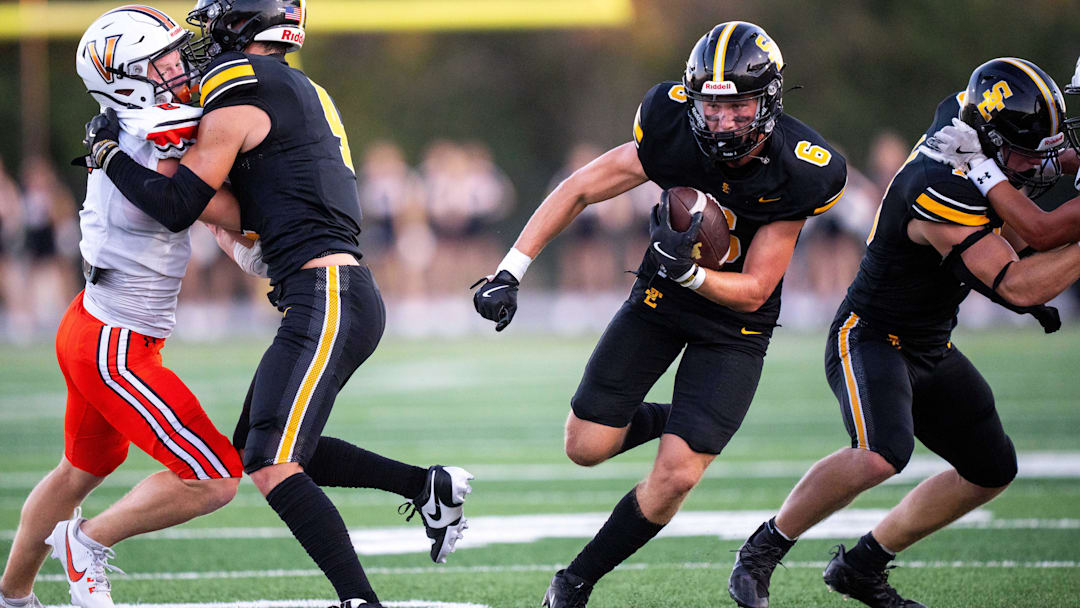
column 116, row 58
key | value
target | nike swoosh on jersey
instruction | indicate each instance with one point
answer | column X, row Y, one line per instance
column 762, row 199
column 72, row 573
column 487, row 294
column 656, row 246
column 749, row 332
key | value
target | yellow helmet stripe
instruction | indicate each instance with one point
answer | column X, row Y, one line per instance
column 1042, row 87
column 721, row 50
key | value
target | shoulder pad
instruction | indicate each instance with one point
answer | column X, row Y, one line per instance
column 229, row 72
column 171, row 128
column 949, row 198
column 658, row 99
column 817, row 173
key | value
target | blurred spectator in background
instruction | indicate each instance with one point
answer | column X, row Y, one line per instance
column 12, row 302
column 887, row 153
column 466, row 195
column 603, row 242
column 50, row 243
column 397, row 239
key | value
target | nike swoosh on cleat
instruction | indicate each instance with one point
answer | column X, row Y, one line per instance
column 749, row 332
column 656, row 246
column 487, row 294
column 72, row 573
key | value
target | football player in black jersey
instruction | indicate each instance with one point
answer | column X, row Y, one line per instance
column 889, row 357
column 958, row 144
column 279, row 139
column 721, row 130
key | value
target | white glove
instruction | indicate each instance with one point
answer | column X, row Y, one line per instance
column 957, row 145
column 250, row 260
column 1076, row 76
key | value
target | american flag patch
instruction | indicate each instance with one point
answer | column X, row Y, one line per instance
column 293, row 13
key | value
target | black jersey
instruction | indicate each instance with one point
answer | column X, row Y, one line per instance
column 803, row 176
column 297, row 189
column 901, row 286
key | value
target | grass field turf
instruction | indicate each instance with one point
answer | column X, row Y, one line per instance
column 497, row 404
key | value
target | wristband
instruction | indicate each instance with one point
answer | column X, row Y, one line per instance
column 693, row 279
column 103, row 152
column 986, row 175
column 515, row 262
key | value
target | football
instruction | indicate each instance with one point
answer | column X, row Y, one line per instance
column 714, row 238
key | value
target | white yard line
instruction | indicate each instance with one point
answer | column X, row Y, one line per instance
column 1032, row 465
column 517, row 529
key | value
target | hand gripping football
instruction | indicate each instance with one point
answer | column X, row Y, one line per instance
column 714, row 239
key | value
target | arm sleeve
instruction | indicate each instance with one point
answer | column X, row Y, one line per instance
column 174, row 202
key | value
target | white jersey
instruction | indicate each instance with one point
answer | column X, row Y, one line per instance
column 143, row 261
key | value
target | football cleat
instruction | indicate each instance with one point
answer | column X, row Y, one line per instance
column 356, row 603
column 441, row 507
column 85, row 565
column 871, row 589
column 26, row 602
column 755, row 561
column 567, row 591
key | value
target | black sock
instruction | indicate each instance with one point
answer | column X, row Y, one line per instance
column 647, row 424
column 769, row 535
column 625, row 532
column 868, row 555
column 340, row 464
column 316, row 523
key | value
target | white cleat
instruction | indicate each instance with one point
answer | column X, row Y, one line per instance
column 85, row 565
column 26, row 602
column 441, row 506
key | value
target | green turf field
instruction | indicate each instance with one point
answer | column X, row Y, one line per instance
column 496, row 406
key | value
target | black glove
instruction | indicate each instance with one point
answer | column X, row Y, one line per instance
column 101, row 141
column 1048, row 317
column 669, row 248
column 496, row 300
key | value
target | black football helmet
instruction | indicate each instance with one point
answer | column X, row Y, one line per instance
column 735, row 60
column 230, row 25
column 1072, row 125
column 1017, row 109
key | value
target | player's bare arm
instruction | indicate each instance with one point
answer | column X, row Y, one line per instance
column 1034, row 280
column 608, row 176
column 1042, row 230
column 223, row 134
column 766, row 262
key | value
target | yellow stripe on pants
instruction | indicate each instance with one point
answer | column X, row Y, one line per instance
column 331, row 321
column 849, row 380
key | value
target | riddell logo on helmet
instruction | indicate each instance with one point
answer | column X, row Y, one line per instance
column 719, row 87
column 294, row 36
column 1049, row 143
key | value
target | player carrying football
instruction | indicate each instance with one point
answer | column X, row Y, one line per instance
column 889, row 357
column 279, row 139
column 722, row 131
column 110, row 340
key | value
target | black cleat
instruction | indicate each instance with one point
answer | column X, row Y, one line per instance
column 755, row 561
column 567, row 591
column 356, row 603
column 871, row 589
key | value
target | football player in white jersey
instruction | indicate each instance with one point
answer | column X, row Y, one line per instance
column 134, row 59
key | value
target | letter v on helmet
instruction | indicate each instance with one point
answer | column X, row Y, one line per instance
column 104, row 61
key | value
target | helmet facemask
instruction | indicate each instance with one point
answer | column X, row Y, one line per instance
column 1043, row 164
column 166, row 89
column 730, row 145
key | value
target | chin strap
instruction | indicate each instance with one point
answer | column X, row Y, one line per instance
column 1047, row 316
